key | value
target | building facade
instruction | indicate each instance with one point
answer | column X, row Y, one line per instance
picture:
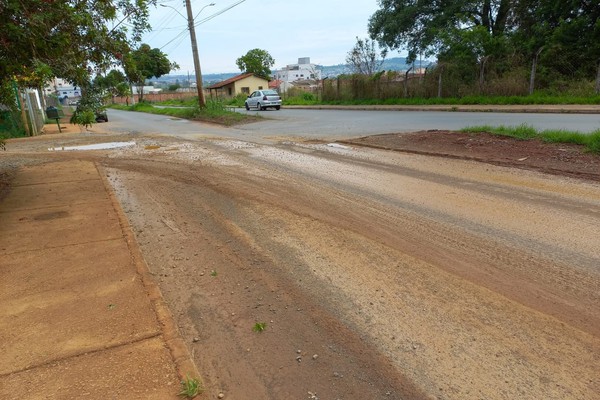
column 244, row 83
column 302, row 71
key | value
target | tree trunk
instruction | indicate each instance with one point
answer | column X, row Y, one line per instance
column 440, row 84
column 406, row 82
column 484, row 61
column 598, row 79
column 533, row 70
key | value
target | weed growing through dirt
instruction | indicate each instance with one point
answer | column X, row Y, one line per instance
column 190, row 387
column 213, row 273
column 259, row 327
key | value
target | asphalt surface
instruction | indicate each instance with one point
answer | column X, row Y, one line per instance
column 334, row 123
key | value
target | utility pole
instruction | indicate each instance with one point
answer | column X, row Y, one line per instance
column 190, row 18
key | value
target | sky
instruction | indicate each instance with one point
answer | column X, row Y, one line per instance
column 324, row 30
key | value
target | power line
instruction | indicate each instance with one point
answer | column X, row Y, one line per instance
column 181, row 34
column 219, row 13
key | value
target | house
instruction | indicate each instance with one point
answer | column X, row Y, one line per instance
column 240, row 84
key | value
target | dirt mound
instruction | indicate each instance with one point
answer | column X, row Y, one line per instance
column 554, row 158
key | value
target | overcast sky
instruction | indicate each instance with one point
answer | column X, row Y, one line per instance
column 324, row 30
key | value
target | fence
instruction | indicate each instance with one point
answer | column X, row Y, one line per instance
column 386, row 86
column 154, row 97
column 29, row 120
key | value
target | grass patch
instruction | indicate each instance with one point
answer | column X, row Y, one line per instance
column 190, row 387
column 214, row 112
column 259, row 327
column 525, row 132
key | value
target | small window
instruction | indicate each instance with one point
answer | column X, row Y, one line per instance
column 260, row 88
column 246, row 90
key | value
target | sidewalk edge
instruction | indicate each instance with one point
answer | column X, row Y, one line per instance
column 184, row 364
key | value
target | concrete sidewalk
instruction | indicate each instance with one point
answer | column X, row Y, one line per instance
column 80, row 316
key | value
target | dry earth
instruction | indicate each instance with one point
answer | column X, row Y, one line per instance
column 379, row 274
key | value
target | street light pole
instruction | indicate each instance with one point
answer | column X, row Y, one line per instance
column 190, row 18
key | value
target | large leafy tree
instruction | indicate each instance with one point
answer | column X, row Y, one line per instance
column 145, row 63
column 562, row 37
column 113, row 84
column 256, row 61
column 68, row 38
column 419, row 25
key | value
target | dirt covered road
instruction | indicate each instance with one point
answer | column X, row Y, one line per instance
column 375, row 274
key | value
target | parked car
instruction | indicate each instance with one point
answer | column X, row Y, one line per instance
column 263, row 99
column 101, row 116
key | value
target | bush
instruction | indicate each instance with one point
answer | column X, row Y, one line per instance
column 83, row 117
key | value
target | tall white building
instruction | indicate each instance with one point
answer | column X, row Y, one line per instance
column 304, row 70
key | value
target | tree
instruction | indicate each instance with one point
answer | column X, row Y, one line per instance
column 69, row 38
column 257, row 62
column 114, row 84
column 418, row 25
column 145, row 63
column 364, row 58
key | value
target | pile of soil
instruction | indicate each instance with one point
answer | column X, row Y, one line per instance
column 554, row 158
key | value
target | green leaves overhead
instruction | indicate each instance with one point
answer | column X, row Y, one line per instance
column 69, row 38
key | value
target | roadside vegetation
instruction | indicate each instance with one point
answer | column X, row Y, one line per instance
column 214, row 112
column 526, row 132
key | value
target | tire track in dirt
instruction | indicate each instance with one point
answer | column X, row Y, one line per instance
column 458, row 311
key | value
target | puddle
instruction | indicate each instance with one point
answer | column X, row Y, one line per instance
column 97, row 146
column 337, row 146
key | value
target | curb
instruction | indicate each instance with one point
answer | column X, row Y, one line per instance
column 180, row 354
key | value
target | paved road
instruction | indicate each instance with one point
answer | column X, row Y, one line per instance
column 336, row 124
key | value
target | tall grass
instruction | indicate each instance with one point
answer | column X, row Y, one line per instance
column 591, row 141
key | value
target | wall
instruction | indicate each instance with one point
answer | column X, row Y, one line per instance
column 251, row 82
column 159, row 97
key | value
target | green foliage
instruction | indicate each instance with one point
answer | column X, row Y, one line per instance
column 259, row 327
column 42, row 38
column 237, row 101
column 257, row 62
column 145, row 63
column 190, row 387
column 173, row 88
column 593, row 143
column 113, row 84
column 484, row 40
column 300, row 97
column 83, row 117
column 214, row 112
column 526, row 132
column 11, row 124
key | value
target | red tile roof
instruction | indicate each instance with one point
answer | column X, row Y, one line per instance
column 229, row 81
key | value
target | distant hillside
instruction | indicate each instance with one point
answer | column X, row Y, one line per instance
column 330, row 71
column 392, row 64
